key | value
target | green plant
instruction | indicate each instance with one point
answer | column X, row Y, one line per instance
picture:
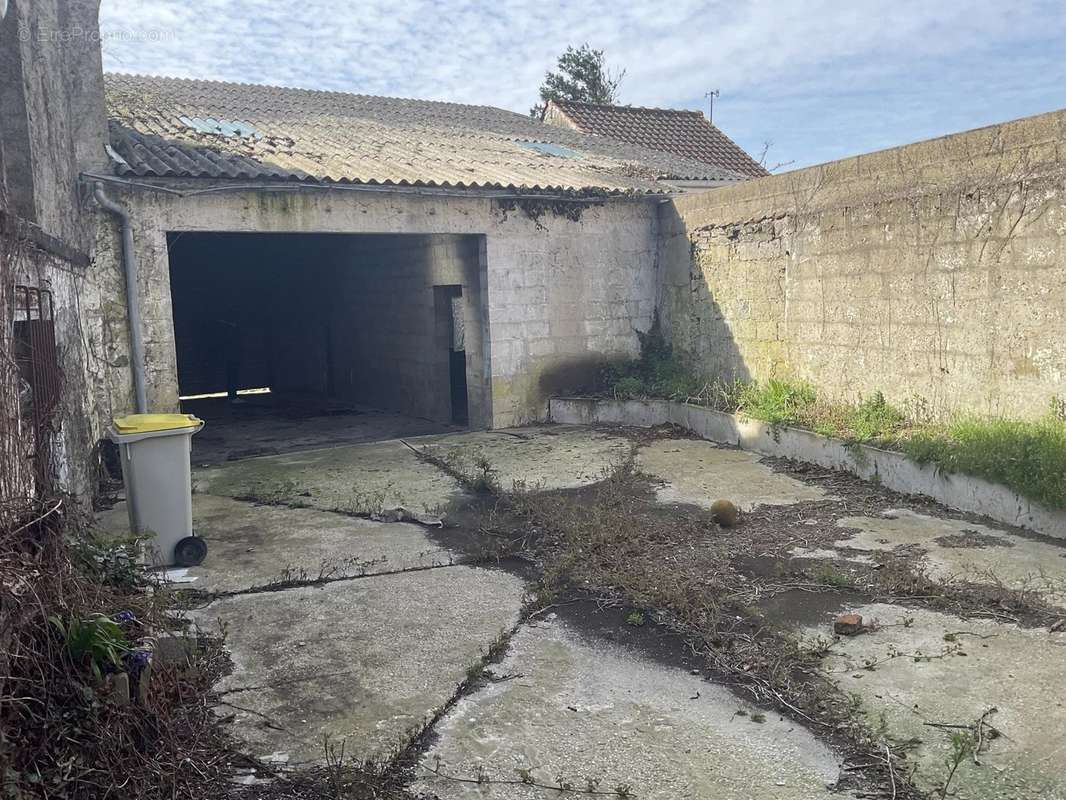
column 582, row 75
column 759, row 717
column 96, row 641
column 112, row 562
column 829, row 575
column 779, row 402
column 1027, row 456
column 484, row 479
column 635, row 618
column 874, row 418
column 963, row 746
column 628, row 387
column 658, row 372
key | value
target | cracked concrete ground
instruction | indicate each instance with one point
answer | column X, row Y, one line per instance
column 366, row 661
column 937, row 669
column 544, row 457
column 355, row 478
column 252, row 546
column 368, row 657
column 963, row 550
column 560, row 704
column 698, row 472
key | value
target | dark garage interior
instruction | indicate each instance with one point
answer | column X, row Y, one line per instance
column 286, row 341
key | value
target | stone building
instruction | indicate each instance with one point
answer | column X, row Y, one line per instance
column 330, row 246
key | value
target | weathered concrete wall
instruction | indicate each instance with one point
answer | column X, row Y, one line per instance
column 390, row 335
column 52, row 127
column 563, row 292
column 56, row 107
column 934, row 272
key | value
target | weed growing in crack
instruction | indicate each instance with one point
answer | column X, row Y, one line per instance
column 561, row 783
column 829, row 575
column 962, row 749
column 365, row 502
column 472, row 470
column 329, row 569
column 635, row 618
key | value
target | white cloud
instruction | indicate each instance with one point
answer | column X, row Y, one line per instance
column 821, row 79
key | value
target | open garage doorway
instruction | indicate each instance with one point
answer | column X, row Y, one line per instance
column 294, row 341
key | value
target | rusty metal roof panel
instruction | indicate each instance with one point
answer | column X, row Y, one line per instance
column 170, row 127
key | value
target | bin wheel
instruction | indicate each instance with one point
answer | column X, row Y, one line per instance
column 190, row 551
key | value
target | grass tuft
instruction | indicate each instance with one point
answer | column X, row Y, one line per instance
column 1029, row 457
column 776, row 401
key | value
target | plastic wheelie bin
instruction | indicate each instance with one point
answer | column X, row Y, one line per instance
column 155, row 450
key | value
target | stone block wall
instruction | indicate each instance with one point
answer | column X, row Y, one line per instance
column 390, row 336
column 563, row 288
column 934, row 272
column 565, row 297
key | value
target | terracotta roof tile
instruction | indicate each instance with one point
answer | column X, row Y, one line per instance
column 687, row 134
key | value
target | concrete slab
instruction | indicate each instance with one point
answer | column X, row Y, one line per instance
column 549, row 457
column 356, row 478
column 365, row 661
column 957, row 549
column 251, row 545
column 699, row 472
column 585, row 710
column 981, row 665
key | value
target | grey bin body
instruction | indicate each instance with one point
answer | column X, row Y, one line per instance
column 158, row 477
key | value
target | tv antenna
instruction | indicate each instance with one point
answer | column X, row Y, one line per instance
column 710, row 96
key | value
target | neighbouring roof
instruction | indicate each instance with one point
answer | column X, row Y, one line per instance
column 687, row 134
column 178, row 128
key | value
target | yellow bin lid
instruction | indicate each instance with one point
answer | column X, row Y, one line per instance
column 146, row 423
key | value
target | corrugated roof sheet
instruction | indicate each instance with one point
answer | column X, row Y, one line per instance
column 178, row 128
column 686, row 134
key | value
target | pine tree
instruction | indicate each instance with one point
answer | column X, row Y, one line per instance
column 581, row 75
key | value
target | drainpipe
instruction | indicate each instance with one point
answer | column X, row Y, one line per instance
column 133, row 306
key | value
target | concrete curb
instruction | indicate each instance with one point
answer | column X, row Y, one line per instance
column 893, row 470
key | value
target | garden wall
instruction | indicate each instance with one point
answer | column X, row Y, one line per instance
column 934, row 272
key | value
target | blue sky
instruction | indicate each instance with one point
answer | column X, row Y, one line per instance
column 818, row 80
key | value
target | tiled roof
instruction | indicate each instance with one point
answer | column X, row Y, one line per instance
column 177, row 128
column 687, row 134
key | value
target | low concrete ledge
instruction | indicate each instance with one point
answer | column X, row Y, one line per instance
column 893, row 470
